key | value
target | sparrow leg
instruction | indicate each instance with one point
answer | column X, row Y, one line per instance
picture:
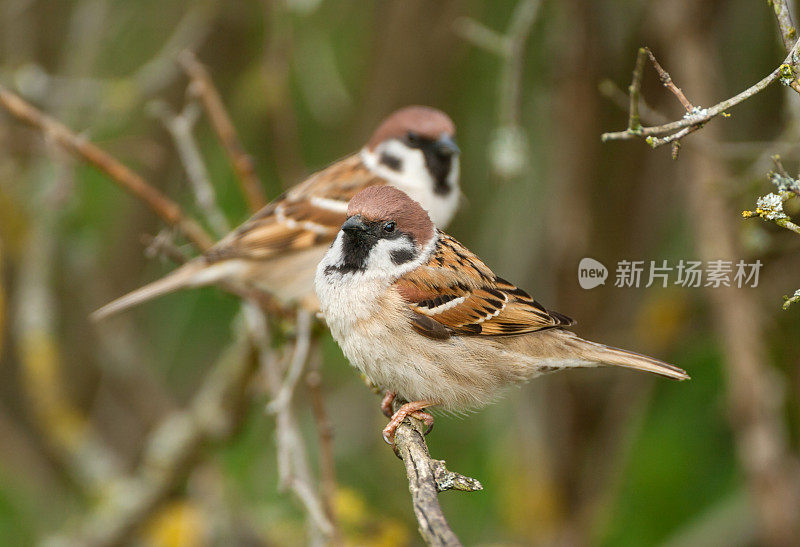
column 386, row 403
column 413, row 409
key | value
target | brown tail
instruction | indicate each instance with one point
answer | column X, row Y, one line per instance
column 192, row 274
column 606, row 355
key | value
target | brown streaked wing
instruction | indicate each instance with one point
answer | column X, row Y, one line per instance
column 459, row 292
column 296, row 220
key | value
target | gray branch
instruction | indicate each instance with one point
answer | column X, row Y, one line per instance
column 695, row 120
column 426, row 478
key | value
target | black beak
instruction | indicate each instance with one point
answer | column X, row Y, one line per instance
column 354, row 225
column 446, row 146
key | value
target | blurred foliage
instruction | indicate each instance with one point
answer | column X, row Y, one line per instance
column 588, row 457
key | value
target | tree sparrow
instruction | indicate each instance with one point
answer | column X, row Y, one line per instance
column 421, row 316
column 278, row 248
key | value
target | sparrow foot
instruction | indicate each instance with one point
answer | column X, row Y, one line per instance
column 413, row 409
column 386, row 403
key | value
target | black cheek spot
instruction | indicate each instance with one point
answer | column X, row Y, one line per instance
column 401, row 256
column 392, row 162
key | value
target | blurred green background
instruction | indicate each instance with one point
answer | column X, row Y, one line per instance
column 592, row 457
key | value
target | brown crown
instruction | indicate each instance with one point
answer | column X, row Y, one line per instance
column 387, row 203
column 425, row 121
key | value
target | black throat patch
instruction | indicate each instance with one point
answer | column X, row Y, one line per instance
column 439, row 167
column 357, row 245
column 438, row 164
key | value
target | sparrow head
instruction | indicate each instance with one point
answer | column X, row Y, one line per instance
column 415, row 149
column 386, row 233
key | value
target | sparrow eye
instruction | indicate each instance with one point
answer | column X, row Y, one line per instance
column 413, row 139
column 389, row 227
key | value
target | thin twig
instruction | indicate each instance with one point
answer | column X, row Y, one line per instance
column 327, row 465
column 163, row 245
column 163, row 206
column 203, row 87
column 426, row 478
column 784, row 18
column 634, row 120
column 511, row 78
column 180, row 127
column 189, row 33
column 508, row 151
column 615, row 94
column 655, row 142
column 293, row 469
column 481, row 36
column 667, row 82
column 648, row 114
column 707, row 114
column 299, row 358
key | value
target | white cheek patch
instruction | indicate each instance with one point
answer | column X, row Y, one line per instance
column 414, row 179
column 380, row 256
column 413, row 170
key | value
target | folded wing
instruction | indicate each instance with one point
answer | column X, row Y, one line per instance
column 455, row 292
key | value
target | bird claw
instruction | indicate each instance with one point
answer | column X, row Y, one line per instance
column 413, row 409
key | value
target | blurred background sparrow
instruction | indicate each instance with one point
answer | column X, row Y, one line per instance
column 278, row 248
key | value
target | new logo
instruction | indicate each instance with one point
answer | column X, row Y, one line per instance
column 591, row 273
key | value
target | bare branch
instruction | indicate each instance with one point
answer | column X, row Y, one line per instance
column 634, row 121
column 203, row 87
column 666, row 80
column 508, row 150
column 163, row 244
column 180, row 127
column 511, row 78
column 189, row 33
column 482, row 36
column 293, row 469
column 615, row 94
column 426, row 478
column 163, row 206
column 327, row 465
column 701, row 116
column 298, row 362
column 655, row 142
column 770, row 208
column 784, row 19
column 612, row 91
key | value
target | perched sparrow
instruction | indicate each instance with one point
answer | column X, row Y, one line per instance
column 421, row 316
column 278, row 248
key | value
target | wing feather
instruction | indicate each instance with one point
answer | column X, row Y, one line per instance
column 309, row 214
column 460, row 293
